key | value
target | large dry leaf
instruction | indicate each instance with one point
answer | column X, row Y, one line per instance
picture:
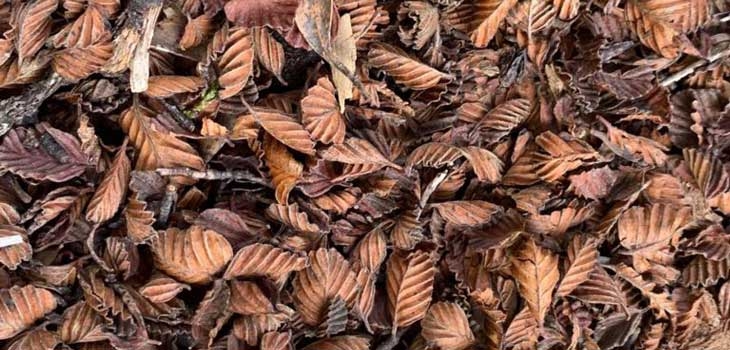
column 583, row 259
column 660, row 302
column 522, row 332
column 16, row 247
column 264, row 260
column 161, row 289
column 163, row 86
column 77, row 63
column 345, row 342
column 86, row 30
column 236, row 63
column 327, row 277
column 290, row 215
column 37, row 339
column 486, row 165
column 659, row 24
column 447, row 327
column 139, row 220
column 34, row 27
column 409, row 283
column 467, row 213
column 269, row 52
column 112, row 189
column 250, row 328
column 41, row 163
column 321, row 115
column 276, row 341
column 285, row 170
column 247, row 298
column 634, row 148
column 285, row 129
column 536, row 271
column 561, row 155
column 192, row 256
column 20, row 307
column 370, row 251
column 156, row 149
column 651, row 228
column 491, row 13
column 405, row 70
column 356, row 151
column 81, row 324
column 434, row 155
column 196, row 30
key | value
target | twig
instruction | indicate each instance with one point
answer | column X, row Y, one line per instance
column 139, row 68
column 430, row 188
column 692, row 67
column 212, row 174
column 391, row 342
column 23, row 109
column 10, row 240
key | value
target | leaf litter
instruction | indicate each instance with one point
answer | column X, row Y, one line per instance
column 364, row 174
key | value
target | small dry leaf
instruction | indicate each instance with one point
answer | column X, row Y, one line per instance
column 193, row 255
column 409, row 286
column 536, row 271
column 112, row 189
column 264, row 260
column 447, row 327
column 247, row 298
column 327, row 277
column 23, row 306
column 15, row 247
column 163, row 86
column 161, row 289
column 321, row 115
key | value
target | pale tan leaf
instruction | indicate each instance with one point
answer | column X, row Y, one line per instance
column 584, row 258
column 486, row 165
column 658, row 301
column 276, row 341
column 191, row 256
column 156, row 149
column 491, row 18
column 17, row 250
column 405, row 70
column 247, row 298
column 536, row 271
column 196, row 30
column 163, row 86
column 269, row 52
column 356, row 151
column 77, row 63
column 522, row 332
column 632, row 147
column 161, row 289
column 285, row 170
column 34, row 26
column 81, row 324
column 139, row 220
column 285, row 129
column 250, row 328
column 20, row 307
column 446, row 326
column 290, row 215
column 321, row 115
column 468, row 213
column 264, row 260
column 370, row 252
column 236, row 63
column 433, row 155
column 651, row 228
column 409, row 283
column 112, row 189
column 344, row 342
column 327, row 277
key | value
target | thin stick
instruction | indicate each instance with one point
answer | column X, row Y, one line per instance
column 139, row 68
column 10, row 240
column 692, row 67
column 430, row 188
column 212, row 174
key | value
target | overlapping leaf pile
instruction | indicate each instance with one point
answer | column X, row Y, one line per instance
column 357, row 174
